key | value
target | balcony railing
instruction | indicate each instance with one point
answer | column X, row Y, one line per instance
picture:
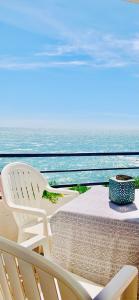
column 77, row 154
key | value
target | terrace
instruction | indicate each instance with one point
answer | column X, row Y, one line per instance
column 87, row 230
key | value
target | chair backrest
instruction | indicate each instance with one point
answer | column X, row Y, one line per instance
column 22, row 185
column 26, row 275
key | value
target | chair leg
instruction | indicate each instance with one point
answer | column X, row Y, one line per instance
column 20, row 237
column 45, row 249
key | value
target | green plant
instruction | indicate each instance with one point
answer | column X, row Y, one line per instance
column 80, row 188
column 52, row 182
column 52, row 197
column 136, row 182
column 106, row 184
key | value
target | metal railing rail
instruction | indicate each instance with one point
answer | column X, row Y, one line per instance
column 77, row 154
column 55, row 154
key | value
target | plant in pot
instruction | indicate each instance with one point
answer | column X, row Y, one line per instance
column 122, row 189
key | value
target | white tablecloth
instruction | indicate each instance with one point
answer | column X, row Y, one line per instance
column 94, row 238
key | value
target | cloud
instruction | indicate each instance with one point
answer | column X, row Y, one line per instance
column 100, row 49
column 29, row 63
column 17, row 64
column 68, row 47
column 57, row 50
column 93, row 50
column 33, row 17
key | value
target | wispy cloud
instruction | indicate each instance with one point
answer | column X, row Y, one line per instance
column 12, row 63
column 34, row 17
column 17, row 64
column 69, row 47
column 95, row 51
column 100, row 49
column 57, row 50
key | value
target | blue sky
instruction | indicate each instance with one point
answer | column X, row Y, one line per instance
column 69, row 64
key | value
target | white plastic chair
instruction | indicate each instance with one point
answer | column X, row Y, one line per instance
column 23, row 187
column 25, row 275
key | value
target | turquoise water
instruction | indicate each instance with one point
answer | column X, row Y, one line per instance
column 31, row 140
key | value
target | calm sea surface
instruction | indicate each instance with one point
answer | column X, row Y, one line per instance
column 28, row 140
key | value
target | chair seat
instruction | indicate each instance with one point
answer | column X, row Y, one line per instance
column 92, row 288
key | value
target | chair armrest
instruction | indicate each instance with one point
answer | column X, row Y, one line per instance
column 61, row 191
column 28, row 210
column 124, row 283
column 34, row 242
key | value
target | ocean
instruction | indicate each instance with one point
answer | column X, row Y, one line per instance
column 17, row 140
